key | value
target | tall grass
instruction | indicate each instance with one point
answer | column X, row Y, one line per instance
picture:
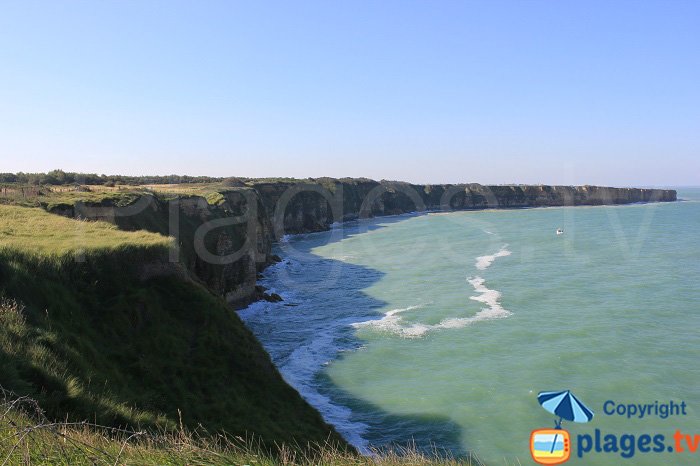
column 27, row 437
column 35, row 231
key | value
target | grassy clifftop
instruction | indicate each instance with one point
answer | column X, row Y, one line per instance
column 84, row 334
column 37, row 232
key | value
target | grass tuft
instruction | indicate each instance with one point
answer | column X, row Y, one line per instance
column 27, row 437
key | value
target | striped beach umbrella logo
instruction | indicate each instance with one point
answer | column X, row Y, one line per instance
column 565, row 405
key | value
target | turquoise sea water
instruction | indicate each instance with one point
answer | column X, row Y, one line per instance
column 442, row 328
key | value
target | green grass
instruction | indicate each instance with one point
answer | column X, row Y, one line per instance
column 57, row 197
column 82, row 334
column 96, row 196
column 34, row 231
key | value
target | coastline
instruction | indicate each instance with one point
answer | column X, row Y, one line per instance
column 340, row 415
column 305, row 213
column 233, row 254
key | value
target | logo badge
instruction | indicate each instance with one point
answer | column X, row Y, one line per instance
column 553, row 446
column 550, row 446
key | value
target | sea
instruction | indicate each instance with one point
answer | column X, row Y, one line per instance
column 438, row 330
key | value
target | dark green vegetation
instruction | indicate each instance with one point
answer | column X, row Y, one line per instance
column 86, row 333
column 62, row 178
column 59, row 177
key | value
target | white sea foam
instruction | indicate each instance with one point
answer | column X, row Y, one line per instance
column 483, row 262
column 392, row 322
column 489, row 297
column 343, row 257
column 300, row 369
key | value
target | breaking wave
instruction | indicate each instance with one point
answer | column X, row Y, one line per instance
column 483, row 262
column 393, row 321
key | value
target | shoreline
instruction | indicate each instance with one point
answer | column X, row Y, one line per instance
column 329, row 408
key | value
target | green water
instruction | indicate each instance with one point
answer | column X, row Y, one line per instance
column 381, row 330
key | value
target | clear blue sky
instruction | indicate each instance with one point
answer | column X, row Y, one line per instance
column 426, row 91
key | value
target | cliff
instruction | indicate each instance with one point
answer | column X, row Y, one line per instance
column 114, row 323
column 225, row 237
column 97, row 324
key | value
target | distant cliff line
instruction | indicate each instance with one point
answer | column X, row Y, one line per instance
column 225, row 231
column 358, row 198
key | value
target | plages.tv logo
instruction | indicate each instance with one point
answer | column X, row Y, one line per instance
column 553, row 446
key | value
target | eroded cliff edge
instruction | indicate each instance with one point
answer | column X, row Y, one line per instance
column 225, row 239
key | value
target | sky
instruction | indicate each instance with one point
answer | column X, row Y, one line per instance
column 556, row 92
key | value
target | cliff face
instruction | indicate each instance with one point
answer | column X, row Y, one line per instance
column 226, row 244
column 314, row 206
column 222, row 246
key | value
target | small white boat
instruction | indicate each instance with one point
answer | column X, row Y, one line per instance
column 560, row 231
